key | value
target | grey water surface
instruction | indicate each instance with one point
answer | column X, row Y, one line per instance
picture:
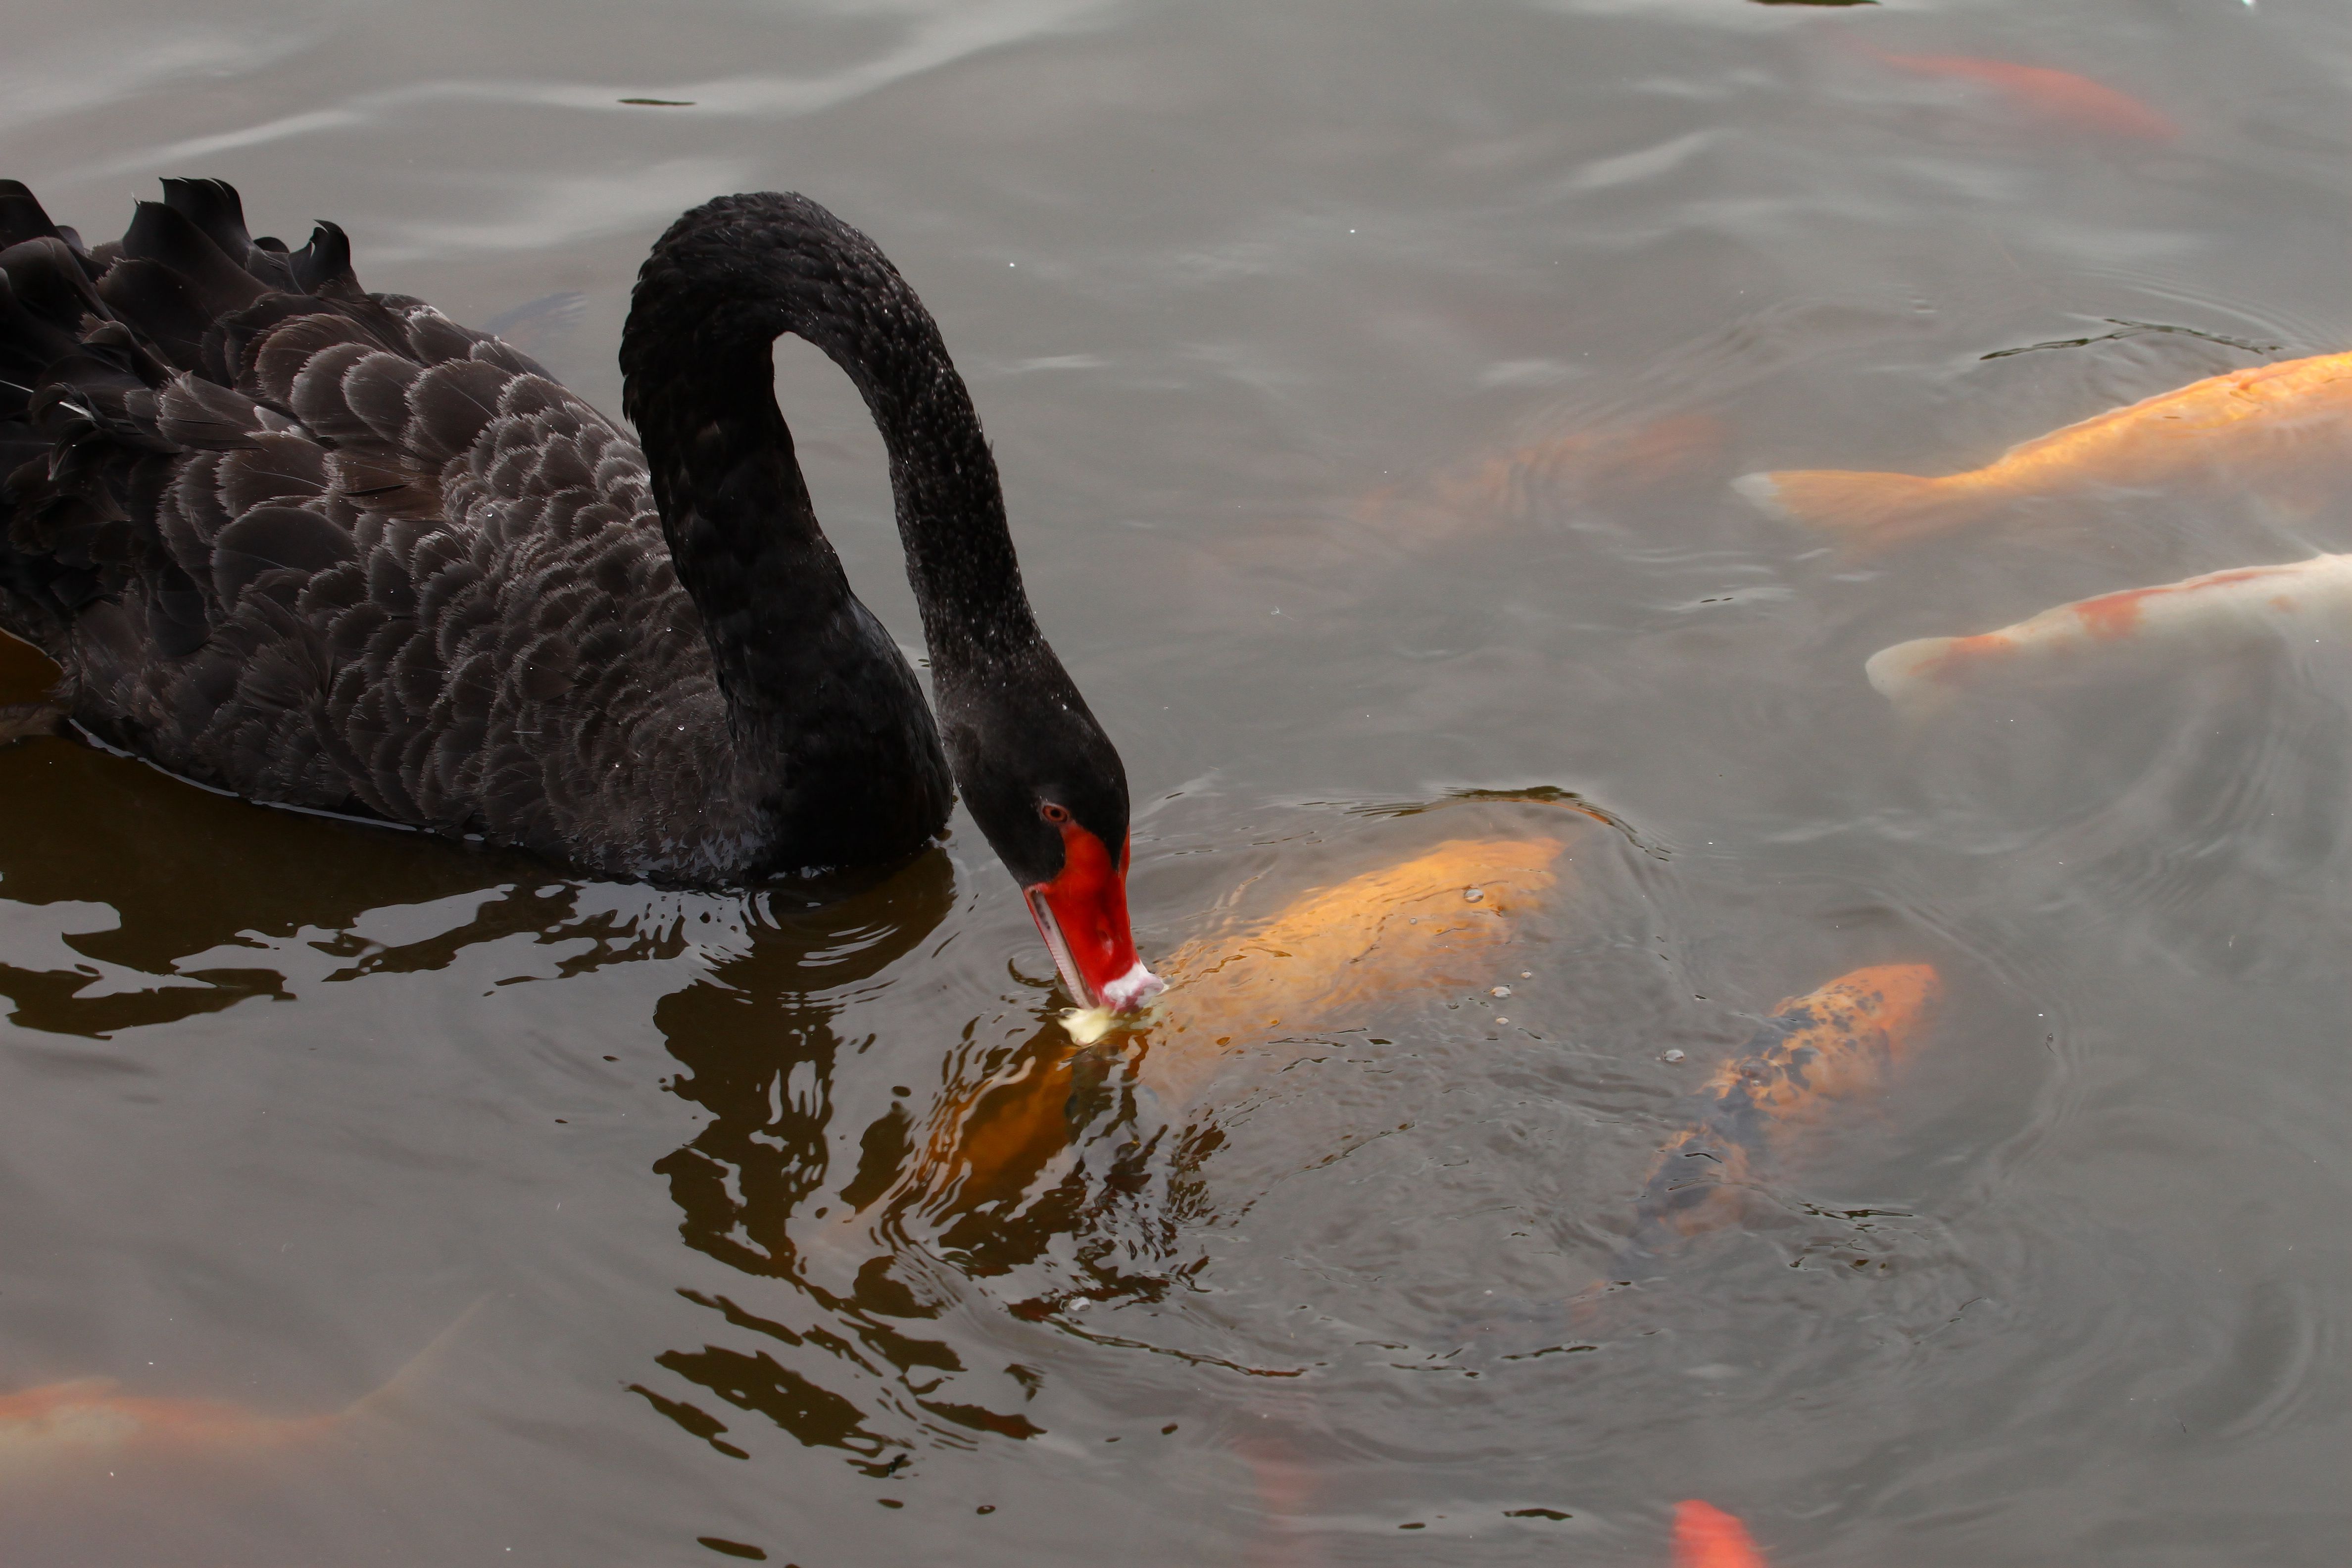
column 1368, row 379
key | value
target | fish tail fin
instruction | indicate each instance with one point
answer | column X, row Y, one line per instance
column 1871, row 509
column 1707, row 1537
column 395, row 1392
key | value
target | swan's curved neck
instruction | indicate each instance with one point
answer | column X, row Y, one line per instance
column 696, row 359
column 830, row 723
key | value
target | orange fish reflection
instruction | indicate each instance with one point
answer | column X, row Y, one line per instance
column 2054, row 97
column 2243, row 421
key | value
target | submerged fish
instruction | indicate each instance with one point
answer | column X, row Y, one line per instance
column 1707, row 1537
column 1838, row 1042
column 85, row 1422
column 2050, row 95
column 1432, row 924
column 2212, row 613
column 1553, row 472
column 2239, row 418
column 1435, row 923
column 89, row 1420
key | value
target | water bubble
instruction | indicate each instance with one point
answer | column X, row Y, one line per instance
column 1671, row 1057
column 1474, row 894
column 1500, row 991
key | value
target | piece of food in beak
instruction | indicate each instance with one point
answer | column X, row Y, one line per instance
column 2217, row 612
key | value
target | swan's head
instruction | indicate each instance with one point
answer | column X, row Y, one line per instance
column 1045, row 786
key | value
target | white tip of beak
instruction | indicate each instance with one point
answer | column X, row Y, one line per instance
column 1133, row 989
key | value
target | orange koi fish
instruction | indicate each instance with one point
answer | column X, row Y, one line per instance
column 2226, row 420
column 1435, row 923
column 1707, row 1537
column 2217, row 612
column 88, row 1420
column 2057, row 96
column 85, row 1422
column 1839, row 1042
column 1432, row 924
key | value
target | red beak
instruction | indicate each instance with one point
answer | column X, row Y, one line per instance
column 1082, row 915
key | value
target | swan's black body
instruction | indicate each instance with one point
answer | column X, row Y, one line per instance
column 324, row 547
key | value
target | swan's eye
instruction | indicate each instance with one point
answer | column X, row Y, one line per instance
column 1057, row 814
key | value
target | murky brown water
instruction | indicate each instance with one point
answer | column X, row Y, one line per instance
column 1367, row 380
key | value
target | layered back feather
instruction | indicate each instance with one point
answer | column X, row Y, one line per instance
column 327, row 548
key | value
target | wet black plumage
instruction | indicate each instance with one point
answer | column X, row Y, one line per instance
column 324, row 547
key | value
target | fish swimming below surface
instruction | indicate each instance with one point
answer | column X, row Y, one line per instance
column 1707, row 1537
column 1439, row 920
column 85, row 1422
column 1837, row 1043
column 2241, row 422
column 2050, row 96
column 1434, row 923
column 1547, row 476
column 2217, row 613
column 88, row 1420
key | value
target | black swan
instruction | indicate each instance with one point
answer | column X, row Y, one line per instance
column 326, row 548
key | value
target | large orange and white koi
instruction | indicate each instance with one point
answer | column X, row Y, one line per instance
column 2232, row 420
column 2217, row 612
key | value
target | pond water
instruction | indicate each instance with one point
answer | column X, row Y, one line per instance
column 1368, row 380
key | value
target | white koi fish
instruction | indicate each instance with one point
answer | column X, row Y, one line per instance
column 2216, row 613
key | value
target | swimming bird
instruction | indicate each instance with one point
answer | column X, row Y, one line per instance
column 2244, row 421
column 326, row 548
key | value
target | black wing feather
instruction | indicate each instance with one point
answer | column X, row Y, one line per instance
column 328, row 547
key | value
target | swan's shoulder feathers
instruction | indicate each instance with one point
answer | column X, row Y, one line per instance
column 328, row 548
